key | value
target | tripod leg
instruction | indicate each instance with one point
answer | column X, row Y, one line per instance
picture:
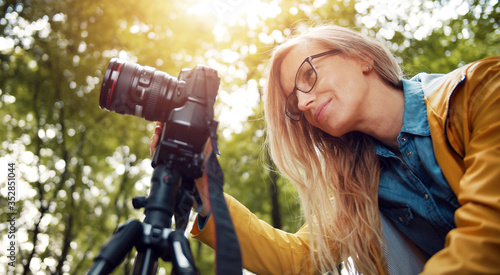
column 181, row 256
column 117, row 248
column 145, row 262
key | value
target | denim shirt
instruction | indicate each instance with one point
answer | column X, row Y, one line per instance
column 413, row 192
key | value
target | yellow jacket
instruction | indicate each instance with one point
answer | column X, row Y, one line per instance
column 464, row 120
column 264, row 249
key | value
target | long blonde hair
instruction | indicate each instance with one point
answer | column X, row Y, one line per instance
column 336, row 177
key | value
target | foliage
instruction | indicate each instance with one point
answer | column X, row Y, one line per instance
column 79, row 166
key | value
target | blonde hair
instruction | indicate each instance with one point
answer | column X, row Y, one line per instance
column 336, row 177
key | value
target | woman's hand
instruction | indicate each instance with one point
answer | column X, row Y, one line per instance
column 201, row 183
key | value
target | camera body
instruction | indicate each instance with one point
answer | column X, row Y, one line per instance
column 185, row 105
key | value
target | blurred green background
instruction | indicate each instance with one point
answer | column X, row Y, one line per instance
column 78, row 166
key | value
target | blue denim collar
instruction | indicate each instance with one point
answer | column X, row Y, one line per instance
column 415, row 115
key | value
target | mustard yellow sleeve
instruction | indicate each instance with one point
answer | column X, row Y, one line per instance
column 474, row 246
column 264, row 249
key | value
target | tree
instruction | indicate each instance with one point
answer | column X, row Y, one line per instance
column 434, row 36
column 79, row 166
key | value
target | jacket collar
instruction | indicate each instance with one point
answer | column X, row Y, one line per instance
column 430, row 82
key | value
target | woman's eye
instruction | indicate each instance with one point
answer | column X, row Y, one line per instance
column 309, row 76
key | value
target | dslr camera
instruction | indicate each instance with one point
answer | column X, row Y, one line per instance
column 184, row 103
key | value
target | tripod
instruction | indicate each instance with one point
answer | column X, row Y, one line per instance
column 170, row 194
column 185, row 105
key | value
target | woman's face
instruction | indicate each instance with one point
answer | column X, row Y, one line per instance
column 336, row 102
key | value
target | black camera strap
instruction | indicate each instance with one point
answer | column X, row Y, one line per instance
column 227, row 248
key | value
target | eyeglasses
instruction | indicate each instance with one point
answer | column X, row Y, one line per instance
column 305, row 79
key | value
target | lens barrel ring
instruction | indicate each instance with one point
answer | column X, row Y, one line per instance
column 153, row 96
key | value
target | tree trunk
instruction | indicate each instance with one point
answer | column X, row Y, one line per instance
column 274, row 190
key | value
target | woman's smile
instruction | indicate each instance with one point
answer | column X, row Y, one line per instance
column 320, row 111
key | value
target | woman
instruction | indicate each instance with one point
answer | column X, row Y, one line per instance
column 361, row 144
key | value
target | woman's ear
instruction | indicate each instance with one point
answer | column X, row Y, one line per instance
column 366, row 65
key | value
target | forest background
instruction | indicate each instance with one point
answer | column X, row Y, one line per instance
column 78, row 167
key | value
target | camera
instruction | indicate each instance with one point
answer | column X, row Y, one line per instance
column 184, row 103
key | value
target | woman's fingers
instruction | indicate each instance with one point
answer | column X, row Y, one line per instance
column 153, row 142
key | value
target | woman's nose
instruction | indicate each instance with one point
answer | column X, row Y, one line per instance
column 305, row 100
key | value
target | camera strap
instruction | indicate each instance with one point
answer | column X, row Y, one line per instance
column 227, row 248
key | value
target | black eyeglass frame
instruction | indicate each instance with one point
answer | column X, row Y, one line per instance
column 309, row 59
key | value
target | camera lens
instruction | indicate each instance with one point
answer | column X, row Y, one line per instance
column 142, row 91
